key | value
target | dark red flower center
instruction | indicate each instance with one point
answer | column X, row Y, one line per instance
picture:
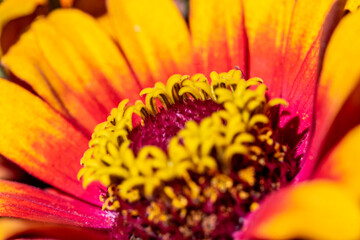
column 159, row 129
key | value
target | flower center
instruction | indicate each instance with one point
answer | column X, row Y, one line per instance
column 193, row 161
column 159, row 129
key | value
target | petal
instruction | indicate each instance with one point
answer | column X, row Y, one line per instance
column 313, row 210
column 342, row 164
column 284, row 49
column 279, row 51
column 343, row 122
column 105, row 23
column 218, row 35
column 75, row 67
column 41, row 141
column 17, row 14
column 340, row 77
column 11, row 228
column 23, row 60
column 97, row 50
column 352, row 5
column 23, row 201
column 153, row 37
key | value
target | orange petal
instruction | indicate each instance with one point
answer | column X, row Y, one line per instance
column 312, row 210
column 11, row 228
column 342, row 164
column 339, row 78
column 284, row 48
column 20, row 14
column 218, row 35
column 23, row 201
column 75, row 67
column 41, row 141
column 153, row 37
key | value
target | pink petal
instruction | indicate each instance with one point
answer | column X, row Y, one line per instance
column 11, row 228
column 340, row 78
column 23, row 201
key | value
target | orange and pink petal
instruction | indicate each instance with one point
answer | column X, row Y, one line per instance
column 23, row 201
column 278, row 42
column 11, row 228
column 40, row 141
column 218, row 35
column 285, row 44
column 311, row 210
column 339, row 79
column 285, row 52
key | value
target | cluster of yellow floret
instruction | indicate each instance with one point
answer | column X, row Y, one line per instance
column 228, row 132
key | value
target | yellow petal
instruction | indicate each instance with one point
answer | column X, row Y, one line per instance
column 153, row 37
column 97, row 51
column 312, row 210
column 71, row 62
column 352, row 5
column 106, row 24
column 342, row 165
column 24, row 60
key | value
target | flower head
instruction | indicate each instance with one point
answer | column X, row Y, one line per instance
column 214, row 152
column 207, row 156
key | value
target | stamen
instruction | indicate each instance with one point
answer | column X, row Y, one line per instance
column 213, row 166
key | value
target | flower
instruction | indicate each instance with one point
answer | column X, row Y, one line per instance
column 72, row 75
